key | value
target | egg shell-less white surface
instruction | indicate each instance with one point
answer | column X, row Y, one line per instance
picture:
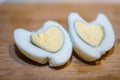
column 22, row 40
column 84, row 50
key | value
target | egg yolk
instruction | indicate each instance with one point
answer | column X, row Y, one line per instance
column 92, row 34
column 51, row 40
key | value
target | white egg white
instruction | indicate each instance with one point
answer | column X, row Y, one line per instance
column 22, row 40
column 85, row 51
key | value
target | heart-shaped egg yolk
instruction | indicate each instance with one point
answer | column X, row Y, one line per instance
column 51, row 40
column 91, row 33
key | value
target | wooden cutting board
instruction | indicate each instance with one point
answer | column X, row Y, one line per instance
column 15, row 66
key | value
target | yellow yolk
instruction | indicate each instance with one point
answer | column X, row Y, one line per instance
column 91, row 33
column 51, row 40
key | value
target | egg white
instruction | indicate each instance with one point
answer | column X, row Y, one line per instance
column 85, row 51
column 22, row 40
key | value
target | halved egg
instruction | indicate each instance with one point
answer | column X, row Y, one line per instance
column 50, row 44
column 90, row 40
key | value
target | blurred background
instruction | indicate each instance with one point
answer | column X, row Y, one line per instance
column 31, row 15
column 63, row 1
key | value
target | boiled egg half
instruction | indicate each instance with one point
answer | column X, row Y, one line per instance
column 51, row 43
column 90, row 40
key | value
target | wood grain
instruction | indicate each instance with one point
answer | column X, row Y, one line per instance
column 15, row 66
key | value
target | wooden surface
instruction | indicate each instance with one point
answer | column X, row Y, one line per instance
column 15, row 66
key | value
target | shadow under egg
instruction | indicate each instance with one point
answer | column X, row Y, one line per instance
column 63, row 66
column 16, row 55
column 96, row 62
